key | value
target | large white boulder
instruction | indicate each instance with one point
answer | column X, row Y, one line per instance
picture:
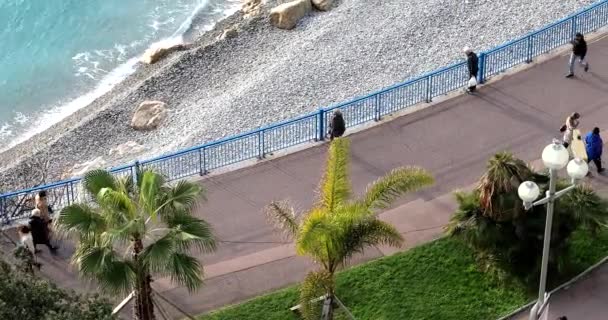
column 287, row 15
column 127, row 148
column 229, row 33
column 80, row 169
column 158, row 51
column 149, row 115
column 252, row 8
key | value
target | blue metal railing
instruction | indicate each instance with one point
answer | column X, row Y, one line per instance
column 258, row 143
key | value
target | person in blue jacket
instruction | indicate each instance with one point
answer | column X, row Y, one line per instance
column 594, row 145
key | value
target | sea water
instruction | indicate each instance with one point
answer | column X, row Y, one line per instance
column 57, row 56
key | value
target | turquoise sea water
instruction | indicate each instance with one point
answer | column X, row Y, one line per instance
column 58, row 55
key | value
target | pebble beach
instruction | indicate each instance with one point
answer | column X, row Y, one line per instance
column 222, row 87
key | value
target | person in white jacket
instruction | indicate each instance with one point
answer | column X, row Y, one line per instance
column 25, row 238
column 568, row 128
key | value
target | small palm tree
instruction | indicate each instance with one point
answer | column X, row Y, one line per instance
column 508, row 239
column 150, row 221
column 338, row 227
column 503, row 175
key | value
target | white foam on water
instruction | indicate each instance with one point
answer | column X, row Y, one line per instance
column 58, row 113
column 85, row 60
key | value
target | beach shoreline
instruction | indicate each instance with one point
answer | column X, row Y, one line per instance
column 224, row 87
column 15, row 156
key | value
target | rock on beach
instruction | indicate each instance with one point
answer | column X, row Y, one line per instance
column 149, row 115
column 287, row 15
column 322, row 5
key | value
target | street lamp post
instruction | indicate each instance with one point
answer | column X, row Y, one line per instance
column 555, row 157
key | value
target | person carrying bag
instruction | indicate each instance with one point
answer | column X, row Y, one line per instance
column 473, row 67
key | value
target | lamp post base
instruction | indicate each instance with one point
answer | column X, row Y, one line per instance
column 540, row 311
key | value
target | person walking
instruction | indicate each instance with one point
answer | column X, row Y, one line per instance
column 568, row 128
column 42, row 204
column 594, row 146
column 473, row 67
column 40, row 231
column 337, row 127
column 579, row 51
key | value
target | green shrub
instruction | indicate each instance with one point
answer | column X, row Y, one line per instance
column 24, row 296
column 508, row 239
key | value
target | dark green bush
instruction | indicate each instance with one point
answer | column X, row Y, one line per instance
column 507, row 238
column 25, row 296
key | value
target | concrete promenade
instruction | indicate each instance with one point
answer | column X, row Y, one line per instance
column 453, row 139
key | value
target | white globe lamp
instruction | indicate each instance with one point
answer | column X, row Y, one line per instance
column 528, row 191
column 555, row 156
column 577, row 168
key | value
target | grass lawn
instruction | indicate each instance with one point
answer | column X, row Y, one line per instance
column 438, row 280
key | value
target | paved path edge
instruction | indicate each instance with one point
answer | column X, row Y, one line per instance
column 563, row 286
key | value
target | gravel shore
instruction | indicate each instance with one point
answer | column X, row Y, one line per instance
column 263, row 75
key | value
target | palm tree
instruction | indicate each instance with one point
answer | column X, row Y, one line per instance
column 150, row 221
column 503, row 175
column 338, row 227
column 492, row 220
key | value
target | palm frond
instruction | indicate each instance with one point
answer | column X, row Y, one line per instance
column 126, row 185
column 185, row 270
column 465, row 215
column 117, row 202
column 80, row 219
column 96, row 180
column 398, row 182
column 102, row 264
column 191, row 231
column 120, row 235
column 316, row 237
column 184, row 196
column 365, row 233
column 315, row 285
column 586, row 208
column 335, row 185
column 283, row 216
column 149, row 191
column 156, row 253
column 503, row 175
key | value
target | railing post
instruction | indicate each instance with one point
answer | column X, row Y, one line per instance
column 136, row 168
column 377, row 116
column 201, row 162
column 68, row 192
column 481, row 66
column 429, row 88
column 261, row 144
column 574, row 26
column 3, row 215
column 205, row 171
column 321, row 125
column 529, row 54
column 72, row 191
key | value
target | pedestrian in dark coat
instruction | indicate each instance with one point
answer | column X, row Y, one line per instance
column 473, row 68
column 40, row 231
column 579, row 51
column 337, row 127
column 594, row 146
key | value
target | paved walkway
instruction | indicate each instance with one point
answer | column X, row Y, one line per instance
column 584, row 300
column 453, row 139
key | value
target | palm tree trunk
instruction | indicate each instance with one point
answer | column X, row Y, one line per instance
column 143, row 307
column 328, row 308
